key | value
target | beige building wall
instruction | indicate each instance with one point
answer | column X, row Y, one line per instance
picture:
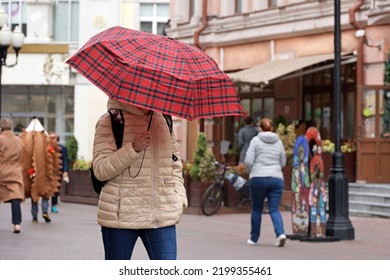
column 294, row 28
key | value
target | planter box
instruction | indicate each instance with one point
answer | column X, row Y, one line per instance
column 196, row 191
column 349, row 165
column 79, row 189
column 287, row 196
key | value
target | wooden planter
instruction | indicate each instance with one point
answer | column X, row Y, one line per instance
column 349, row 165
column 286, row 202
column 79, row 189
column 196, row 191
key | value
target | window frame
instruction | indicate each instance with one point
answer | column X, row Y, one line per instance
column 154, row 19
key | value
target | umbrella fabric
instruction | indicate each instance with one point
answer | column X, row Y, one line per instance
column 157, row 73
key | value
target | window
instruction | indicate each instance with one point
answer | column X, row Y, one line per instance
column 66, row 20
column 18, row 11
column 154, row 17
column 238, row 6
column 192, row 8
column 272, row 3
column 369, row 112
column 318, row 101
column 53, row 105
column 385, row 113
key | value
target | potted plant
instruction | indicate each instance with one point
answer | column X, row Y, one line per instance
column 288, row 137
column 72, row 147
column 348, row 148
column 201, row 171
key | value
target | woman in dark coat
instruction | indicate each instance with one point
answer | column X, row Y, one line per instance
column 11, row 179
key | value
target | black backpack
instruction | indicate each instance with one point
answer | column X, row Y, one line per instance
column 118, row 125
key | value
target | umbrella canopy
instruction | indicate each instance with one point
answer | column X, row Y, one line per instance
column 157, row 73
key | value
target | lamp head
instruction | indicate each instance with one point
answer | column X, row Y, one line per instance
column 360, row 33
column 5, row 35
column 17, row 38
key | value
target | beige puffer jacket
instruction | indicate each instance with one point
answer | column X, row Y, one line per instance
column 156, row 197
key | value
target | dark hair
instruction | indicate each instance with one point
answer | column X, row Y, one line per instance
column 53, row 134
column 248, row 120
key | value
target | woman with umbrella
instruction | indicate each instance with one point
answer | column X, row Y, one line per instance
column 144, row 195
column 145, row 75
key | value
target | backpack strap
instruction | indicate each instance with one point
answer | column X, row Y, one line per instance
column 168, row 119
column 118, row 125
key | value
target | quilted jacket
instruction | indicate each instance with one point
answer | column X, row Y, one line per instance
column 156, row 196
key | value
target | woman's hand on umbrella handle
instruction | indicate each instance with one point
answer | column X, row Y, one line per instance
column 142, row 141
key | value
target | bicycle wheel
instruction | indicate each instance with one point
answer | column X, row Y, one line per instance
column 212, row 199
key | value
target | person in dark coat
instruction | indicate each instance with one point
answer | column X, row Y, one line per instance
column 64, row 170
column 245, row 136
column 11, row 177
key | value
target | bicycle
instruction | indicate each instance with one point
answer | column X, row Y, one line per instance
column 214, row 194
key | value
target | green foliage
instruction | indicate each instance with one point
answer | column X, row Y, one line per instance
column 288, row 137
column 387, row 70
column 280, row 120
column 72, row 146
column 203, row 168
column 81, row 164
column 207, row 168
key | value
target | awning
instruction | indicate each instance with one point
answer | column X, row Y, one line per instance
column 265, row 72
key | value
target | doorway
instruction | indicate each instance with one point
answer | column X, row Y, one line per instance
column 373, row 145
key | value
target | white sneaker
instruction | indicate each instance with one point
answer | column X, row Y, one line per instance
column 281, row 240
column 250, row 242
column 16, row 228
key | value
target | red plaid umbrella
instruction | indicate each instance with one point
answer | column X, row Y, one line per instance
column 158, row 73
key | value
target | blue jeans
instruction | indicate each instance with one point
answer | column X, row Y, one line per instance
column 34, row 207
column 16, row 212
column 272, row 189
column 160, row 243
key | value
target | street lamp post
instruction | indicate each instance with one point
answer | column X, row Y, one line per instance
column 338, row 224
column 7, row 38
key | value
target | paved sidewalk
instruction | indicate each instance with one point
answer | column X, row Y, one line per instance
column 74, row 234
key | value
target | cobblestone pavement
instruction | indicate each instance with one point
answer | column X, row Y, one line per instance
column 74, row 234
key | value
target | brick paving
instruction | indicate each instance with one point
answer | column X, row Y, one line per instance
column 74, row 234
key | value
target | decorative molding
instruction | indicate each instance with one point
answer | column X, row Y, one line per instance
column 99, row 20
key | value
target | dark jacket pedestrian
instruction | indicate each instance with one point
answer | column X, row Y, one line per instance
column 265, row 159
column 11, row 177
column 245, row 136
column 64, row 170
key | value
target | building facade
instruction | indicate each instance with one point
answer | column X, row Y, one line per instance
column 42, row 84
column 280, row 55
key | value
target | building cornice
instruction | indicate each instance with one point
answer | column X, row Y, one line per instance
column 308, row 18
column 43, row 48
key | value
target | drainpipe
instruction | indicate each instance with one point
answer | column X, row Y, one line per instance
column 358, row 26
column 202, row 27
column 359, row 74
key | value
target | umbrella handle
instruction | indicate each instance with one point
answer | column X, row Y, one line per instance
column 150, row 120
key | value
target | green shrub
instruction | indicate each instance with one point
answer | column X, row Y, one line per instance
column 203, row 168
column 72, row 146
column 81, row 164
